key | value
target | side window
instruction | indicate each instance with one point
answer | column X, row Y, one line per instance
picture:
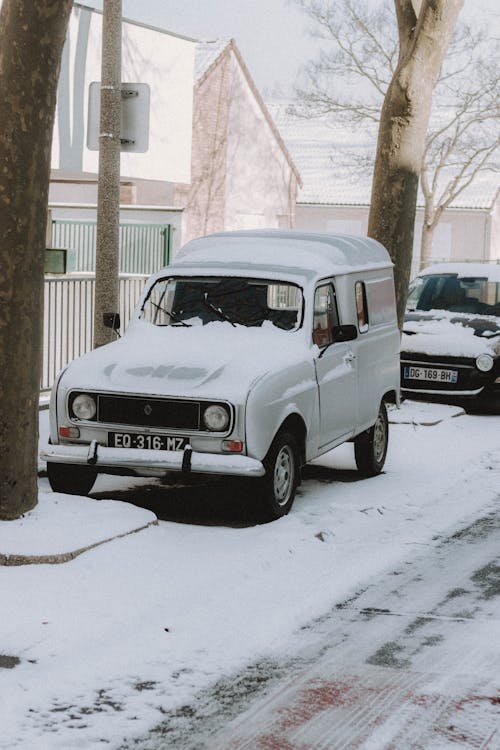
column 361, row 306
column 325, row 314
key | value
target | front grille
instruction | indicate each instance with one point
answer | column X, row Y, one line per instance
column 149, row 412
column 469, row 378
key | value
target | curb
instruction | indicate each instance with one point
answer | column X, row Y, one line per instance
column 16, row 560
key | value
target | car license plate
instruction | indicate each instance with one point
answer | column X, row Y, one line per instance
column 431, row 374
column 150, row 442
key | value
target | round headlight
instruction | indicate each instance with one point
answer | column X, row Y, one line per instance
column 484, row 362
column 84, row 407
column 216, row 418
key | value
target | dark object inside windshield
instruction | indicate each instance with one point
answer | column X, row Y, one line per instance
column 474, row 295
column 238, row 301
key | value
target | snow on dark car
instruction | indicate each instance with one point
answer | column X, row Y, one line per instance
column 251, row 354
column 450, row 348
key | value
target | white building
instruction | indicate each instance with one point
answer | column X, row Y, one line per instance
column 215, row 160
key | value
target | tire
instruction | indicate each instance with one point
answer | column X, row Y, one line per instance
column 70, row 479
column 370, row 448
column 278, row 486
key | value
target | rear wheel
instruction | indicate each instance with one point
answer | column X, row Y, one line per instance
column 370, row 448
column 277, row 488
column 70, row 479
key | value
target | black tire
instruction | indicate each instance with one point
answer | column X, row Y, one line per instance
column 70, row 479
column 370, row 448
column 278, row 486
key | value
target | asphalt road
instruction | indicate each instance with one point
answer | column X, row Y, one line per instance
column 410, row 662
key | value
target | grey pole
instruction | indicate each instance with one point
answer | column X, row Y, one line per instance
column 108, row 190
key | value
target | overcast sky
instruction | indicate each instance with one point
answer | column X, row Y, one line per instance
column 272, row 35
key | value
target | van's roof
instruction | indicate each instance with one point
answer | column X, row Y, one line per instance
column 286, row 253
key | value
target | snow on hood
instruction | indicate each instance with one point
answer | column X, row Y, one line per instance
column 450, row 333
column 217, row 360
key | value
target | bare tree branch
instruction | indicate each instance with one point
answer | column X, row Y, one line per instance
column 350, row 78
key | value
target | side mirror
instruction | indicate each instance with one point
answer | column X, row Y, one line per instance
column 111, row 320
column 344, row 333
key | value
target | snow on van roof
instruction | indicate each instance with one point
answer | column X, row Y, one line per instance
column 306, row 253
column 491, row 271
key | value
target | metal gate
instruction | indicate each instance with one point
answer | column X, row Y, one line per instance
column 144, row 248
column 68, row 318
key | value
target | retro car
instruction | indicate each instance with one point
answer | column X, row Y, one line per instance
column 450, row 349
column 250, row 355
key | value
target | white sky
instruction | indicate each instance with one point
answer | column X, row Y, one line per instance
column 271, row 34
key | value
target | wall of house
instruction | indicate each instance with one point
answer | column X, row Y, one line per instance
column 240, row 178
column 261, row 186
column 150, row 56
column 495, row 229
column 204, row 198
column 462, row 234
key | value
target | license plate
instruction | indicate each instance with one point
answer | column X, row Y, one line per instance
column 149, row 442
column 431, row 374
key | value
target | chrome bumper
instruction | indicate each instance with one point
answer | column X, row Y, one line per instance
column 137, row 459
column 431, row 392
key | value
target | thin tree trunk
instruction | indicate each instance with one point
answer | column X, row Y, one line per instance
column 426, row 244
column 402, row 131
column 32, row 36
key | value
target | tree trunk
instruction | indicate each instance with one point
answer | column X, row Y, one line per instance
column 32, row 36
column 403, row 126
column 426, row 244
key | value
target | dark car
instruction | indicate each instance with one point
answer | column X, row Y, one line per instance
column 450, row 348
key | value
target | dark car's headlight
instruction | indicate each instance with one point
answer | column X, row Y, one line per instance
column 216, row 418
column 484, row 362
column 82, row 406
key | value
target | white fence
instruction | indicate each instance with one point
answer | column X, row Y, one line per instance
column 69, row 317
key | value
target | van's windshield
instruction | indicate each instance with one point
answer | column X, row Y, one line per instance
column 197, row 301
column 472, row 294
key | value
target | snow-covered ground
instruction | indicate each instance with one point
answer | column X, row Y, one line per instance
column 96, row 649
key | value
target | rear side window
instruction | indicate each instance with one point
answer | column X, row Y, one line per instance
column 381, row 301
column 361, row 306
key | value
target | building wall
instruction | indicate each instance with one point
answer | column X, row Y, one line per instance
column 472, row 235
column 204, row 199
column 149, row 55
column 495, row 230
column 241, row 178
column 261, row 186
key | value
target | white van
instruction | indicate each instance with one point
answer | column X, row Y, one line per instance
column 250, row 355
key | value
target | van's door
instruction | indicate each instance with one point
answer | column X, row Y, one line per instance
column 336, row 371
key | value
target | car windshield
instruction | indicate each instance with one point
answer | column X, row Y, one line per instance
column 465, row 294
column 175, row 301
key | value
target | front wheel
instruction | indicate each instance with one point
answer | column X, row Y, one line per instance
column 370, row 448
column 69, row 479
column 277, row 490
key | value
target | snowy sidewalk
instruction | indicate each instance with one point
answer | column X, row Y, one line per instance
column 135, row 632
column 61, row 527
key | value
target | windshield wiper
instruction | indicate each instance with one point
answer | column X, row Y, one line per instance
column 222, row 315
column 171, row 314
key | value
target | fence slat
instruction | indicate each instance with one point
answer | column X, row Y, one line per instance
column 142, row 246
column 69, row 315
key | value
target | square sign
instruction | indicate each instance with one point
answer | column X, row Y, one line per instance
column 134, row 129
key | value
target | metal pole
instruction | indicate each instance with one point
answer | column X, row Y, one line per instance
column 108, row 190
